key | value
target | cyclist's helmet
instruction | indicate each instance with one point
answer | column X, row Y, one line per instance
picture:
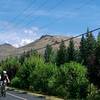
column 4, row 72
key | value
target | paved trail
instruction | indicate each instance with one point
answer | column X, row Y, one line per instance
column 12, row 95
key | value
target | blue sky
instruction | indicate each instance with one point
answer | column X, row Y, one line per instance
column 23, row 21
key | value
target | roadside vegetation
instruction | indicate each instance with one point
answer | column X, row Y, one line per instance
column 69, row 73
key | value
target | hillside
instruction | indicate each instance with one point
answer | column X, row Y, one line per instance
column 7, row 49
column 47, row 39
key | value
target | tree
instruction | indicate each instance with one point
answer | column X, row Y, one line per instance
column 61, row 54
column 90, row 48
column 95, row 71
column 27, row 54
column 71, row 51
column 90, row 57
column 40, row 76
column 48, row 52
column 87, row 48
column 11, row 65
column 70, row 81
column 83, row 49
column 98, row 49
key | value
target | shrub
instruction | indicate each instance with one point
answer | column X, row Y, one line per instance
column 15, row 82
column 93, row 93
column 40, row 77
column 23, row 74
column 11, row 65
column 70, row 80
column 27, row 68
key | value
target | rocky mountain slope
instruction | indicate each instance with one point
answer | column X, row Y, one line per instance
column 8, row 50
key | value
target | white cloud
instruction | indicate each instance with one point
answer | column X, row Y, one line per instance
column 19, row 37
column 31, row 31
column 23, row 42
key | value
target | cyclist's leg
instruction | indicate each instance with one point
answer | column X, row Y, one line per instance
column 2, row 88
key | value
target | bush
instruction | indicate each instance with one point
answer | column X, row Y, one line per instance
column 11, row 65
column 15, row 82
column 40, row 77
column 1, row 69
column 93, row 93
column 23, row 74
column 27, row 68
column 70, row 80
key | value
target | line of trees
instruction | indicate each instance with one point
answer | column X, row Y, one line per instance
column 69, row 73
column 88, row 54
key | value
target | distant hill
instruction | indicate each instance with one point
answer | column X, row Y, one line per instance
column 8, row 50
column 48, row 39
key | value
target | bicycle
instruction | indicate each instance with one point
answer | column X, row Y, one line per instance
column 3, row 88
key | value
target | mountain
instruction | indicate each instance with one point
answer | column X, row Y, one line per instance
column 48, row 39
column 8, row 50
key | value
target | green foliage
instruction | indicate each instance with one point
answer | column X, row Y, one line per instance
column 1, row 69
column 83, row 50
column 23, row 75
column 61, row 54
column 70, row 80
column 53, row 57
column 98, row 49
column 15, row 82
column 27, row 55
column 90, row 49
column 93, row 93
column 95, row 70
column 47, row 54
column 71, row 51
column 87, row 49
column 40, row 77
column 26, row 69
column 11, row 65
column 89, row 52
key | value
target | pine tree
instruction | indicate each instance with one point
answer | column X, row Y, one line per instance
column 48, row 52
column 94, row 70
column 83, row 49
column 61, row 54
column 90, row 58
column 97, row 53
column 71, row 51
column 97, row 66
column 90, row 48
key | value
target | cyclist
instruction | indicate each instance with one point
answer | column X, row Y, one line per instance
column 4, row 81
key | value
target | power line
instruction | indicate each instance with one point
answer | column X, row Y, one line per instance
column 28, row 7
column 69, row 38
column 61, row 18
column 59, row 3
column 52, row 8
column 25, row 9
column 36, row 18
column 39, row 7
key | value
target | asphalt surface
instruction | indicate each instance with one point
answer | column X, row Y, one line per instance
column 13, row 95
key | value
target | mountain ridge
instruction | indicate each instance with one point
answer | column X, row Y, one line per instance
column 7, row 50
